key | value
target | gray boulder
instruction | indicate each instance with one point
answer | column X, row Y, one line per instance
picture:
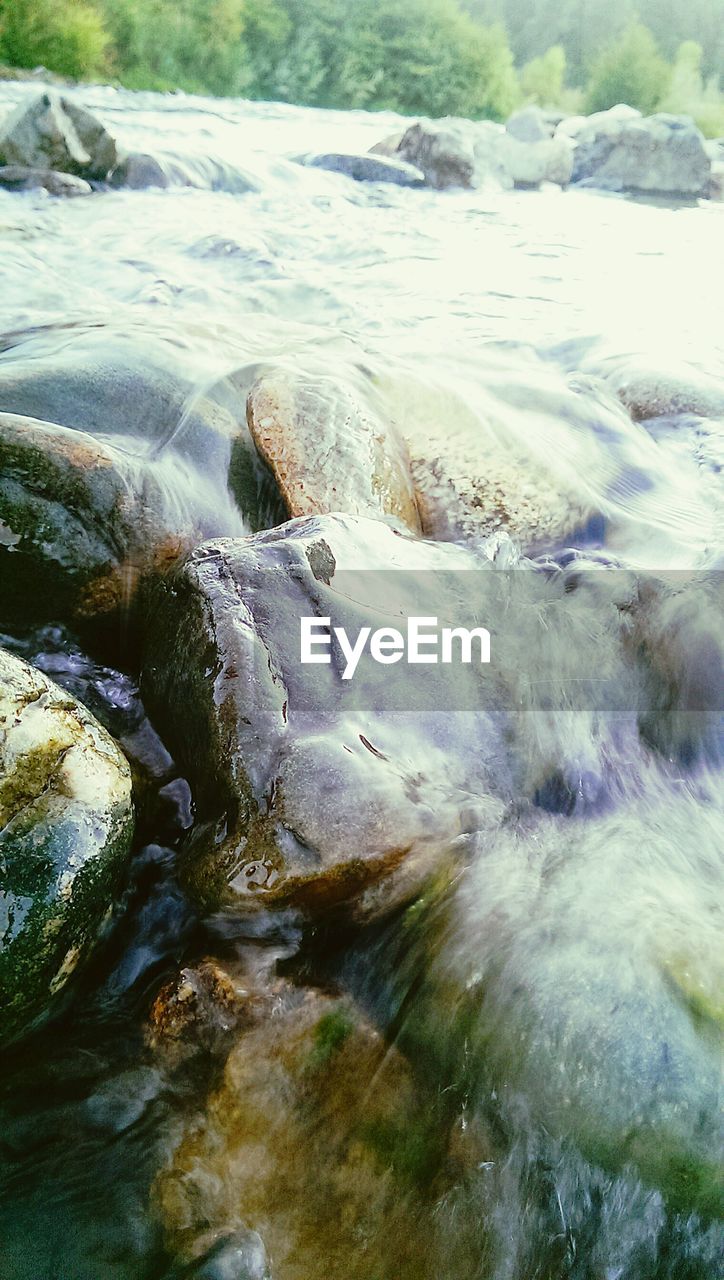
column 369, row 168
column 52, row 132
column 66, row 823
column 16, row 177
column 530, row 124
column 531, row 163
column 662, row 154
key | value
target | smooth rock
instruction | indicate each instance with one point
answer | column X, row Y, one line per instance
column 328, row 452
column 576, row 975
column 52, row 132
column 287, row 758
column 138, row 171
column 15, row 177
column 662, row 154
column 66, row 822
column 368, row 168
column 315, row 1087
column 112, row 466
column 239, row 1256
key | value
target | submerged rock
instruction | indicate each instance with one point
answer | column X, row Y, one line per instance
column 52, row 132
column 316, row 1140
column 368, row 168
column 66, row 822
column 327, row 452
column 16, row 177
column 574, row 978
column 139, row 170
column 111, row 467
column 662, row 154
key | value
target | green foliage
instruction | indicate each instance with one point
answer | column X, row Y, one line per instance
column 689, row 95
column 631, row 70
column 420, row 57
column 66, row 36
column 541, row 79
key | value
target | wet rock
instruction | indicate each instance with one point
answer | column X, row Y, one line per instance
column 368, row 168
column 327, row 452
column 445, row 151
column 15, row 177
column 238, row 1256
column 286, row 759
column 138, row 171
column 574, row 981
column 314, row 1088
column 201, row 171
column 662, row 154
column 112, row 466
column 652, row 393
column 65, row 828
column 52, row 132
column 121, row 1101
column 200, row 1008
column 530, row 124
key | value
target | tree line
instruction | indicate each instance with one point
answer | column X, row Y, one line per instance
column 475, row 58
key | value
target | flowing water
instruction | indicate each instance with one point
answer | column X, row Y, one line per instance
column 516, row 316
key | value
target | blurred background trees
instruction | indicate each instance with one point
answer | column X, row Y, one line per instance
column 477, row 58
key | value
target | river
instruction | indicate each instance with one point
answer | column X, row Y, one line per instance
column 506, row 313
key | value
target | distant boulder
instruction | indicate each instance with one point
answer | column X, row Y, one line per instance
column 51, row 132
column 16, row 177
column 368, row 168
column 531, row 124
column 474, row 155
column 662, row 154
column 139, row 170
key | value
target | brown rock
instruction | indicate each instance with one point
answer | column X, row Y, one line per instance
column 327, row 452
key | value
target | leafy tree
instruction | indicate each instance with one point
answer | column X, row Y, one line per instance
column 66, row 36
column 631, row 70
column 541, row 79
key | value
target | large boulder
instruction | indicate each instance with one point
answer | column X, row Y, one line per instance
column 112, row 465
column 16, row 177
column 662, row 154
column 52, row 132
column 368, row 168
column 287, row 757
column 328, row 452
column 66, row 823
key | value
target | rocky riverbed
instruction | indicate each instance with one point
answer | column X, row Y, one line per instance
column 413, row 976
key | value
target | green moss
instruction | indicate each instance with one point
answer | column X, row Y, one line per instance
column 330, row 1034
